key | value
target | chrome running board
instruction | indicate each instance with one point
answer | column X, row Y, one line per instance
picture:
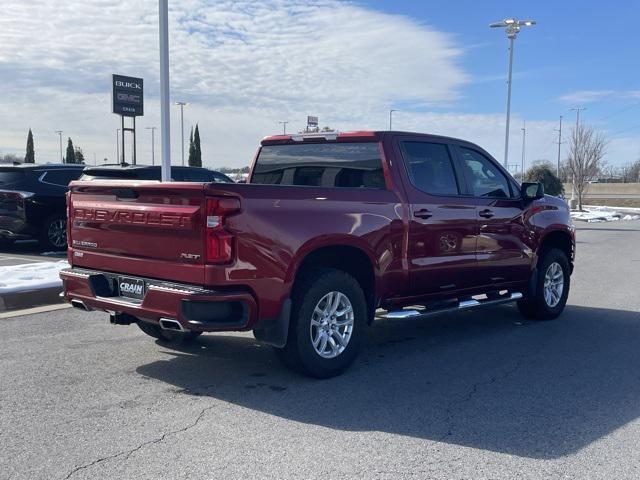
column 455, row 307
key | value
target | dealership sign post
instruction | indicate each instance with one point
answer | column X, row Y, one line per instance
column 312, row 122
column 127, row 101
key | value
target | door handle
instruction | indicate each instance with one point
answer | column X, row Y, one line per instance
column 422, row 213
column 486, row 213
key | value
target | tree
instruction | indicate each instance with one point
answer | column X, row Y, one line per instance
column 71, row 154
column 9, row 158
column 196, row 146
column 630, row 172
column 542, row 172
column 586, row 150
column 192, row 150
column 79, row 155
column 30, row 156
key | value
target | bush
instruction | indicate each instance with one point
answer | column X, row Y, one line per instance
column 543, row 173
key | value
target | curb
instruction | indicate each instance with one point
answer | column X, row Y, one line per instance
column 30, row 298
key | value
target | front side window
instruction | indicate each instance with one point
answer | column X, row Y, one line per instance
column 484, row 177
column 342, row 165
column 430, row 168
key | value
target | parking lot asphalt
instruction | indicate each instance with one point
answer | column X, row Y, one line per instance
column 26, row 252
column 472, row 395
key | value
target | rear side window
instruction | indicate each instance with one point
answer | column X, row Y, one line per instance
column 430, row 168
column 485, row 178
column 61, row 177
column 341, row 165
column 8, row 177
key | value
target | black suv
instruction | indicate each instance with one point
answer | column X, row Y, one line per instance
column 150, row 172
column 32, row 202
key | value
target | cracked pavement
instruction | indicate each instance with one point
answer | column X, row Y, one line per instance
column 475, row 395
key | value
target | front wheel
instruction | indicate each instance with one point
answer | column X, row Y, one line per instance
column 551, row 287
column 327, row 325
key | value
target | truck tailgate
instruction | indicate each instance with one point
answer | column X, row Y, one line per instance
column 141, row 228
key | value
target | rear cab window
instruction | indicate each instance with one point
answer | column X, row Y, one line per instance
column 61, row 177
column 430, row 167
column 336, row 165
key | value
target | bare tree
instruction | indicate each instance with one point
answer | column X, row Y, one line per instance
column 630, row 172
column 586, row 150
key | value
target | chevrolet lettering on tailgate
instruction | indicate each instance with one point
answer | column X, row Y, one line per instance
column 108, row 216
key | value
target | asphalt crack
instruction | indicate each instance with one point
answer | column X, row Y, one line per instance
column 127, row 453
column 452, row 406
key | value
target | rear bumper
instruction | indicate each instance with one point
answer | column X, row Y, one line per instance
column 9, row 235
column 195, row 308
column 14, row 227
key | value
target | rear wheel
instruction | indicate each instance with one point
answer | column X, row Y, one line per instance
column 54, row 233
column 551, row 289
column 328, row 319
column 166, row 335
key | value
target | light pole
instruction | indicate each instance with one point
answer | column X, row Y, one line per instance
column 573, row 201
column 153, row 142
column 524, row 137
column 165, row 121
column 559, row 143
column 391, row 119
column 59, row 132
column 284, row 127
column 512, row 27
column 181, row 105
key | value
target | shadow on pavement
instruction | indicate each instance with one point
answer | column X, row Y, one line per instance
column 483, row 379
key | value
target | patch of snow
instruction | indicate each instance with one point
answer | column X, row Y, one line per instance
column 60, row 253
column 605, row 214
column 34, row 276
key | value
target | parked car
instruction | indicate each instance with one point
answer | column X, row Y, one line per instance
column 32, row 202
column 329, row 229
column 151, row 172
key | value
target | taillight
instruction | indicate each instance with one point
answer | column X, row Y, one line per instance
column 219, row 242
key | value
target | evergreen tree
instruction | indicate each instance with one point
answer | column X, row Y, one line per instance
column 79, row 155
column 30, row 156
column 542, row 172
column 192, row 150
column 71, row 154
column 198, row 151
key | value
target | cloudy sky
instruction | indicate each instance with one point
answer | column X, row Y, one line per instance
column 245, row 66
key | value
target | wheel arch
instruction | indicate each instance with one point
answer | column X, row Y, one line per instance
column 351, row 258
column 558, row 238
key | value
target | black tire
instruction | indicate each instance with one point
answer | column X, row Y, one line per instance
column 166, row 335
column 6, row 242
column 534, row 305
column 53, row 235
column 299, row 353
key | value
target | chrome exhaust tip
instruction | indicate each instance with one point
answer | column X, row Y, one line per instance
column 79, row 304
column 171, row 324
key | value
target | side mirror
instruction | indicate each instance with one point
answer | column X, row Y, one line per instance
column 531, row 190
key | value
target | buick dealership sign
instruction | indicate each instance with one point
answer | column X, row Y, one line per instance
column 128, row 99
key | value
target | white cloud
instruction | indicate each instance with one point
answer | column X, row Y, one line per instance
column 243, row 66
column 586, row 96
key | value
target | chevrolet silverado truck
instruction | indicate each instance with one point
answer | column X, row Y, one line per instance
column 331, row 231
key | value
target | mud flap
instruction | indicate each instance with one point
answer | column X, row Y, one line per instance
column 274, row 331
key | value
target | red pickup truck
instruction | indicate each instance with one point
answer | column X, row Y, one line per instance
column 330, row 231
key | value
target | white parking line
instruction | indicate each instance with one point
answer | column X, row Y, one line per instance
column 30, row 311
